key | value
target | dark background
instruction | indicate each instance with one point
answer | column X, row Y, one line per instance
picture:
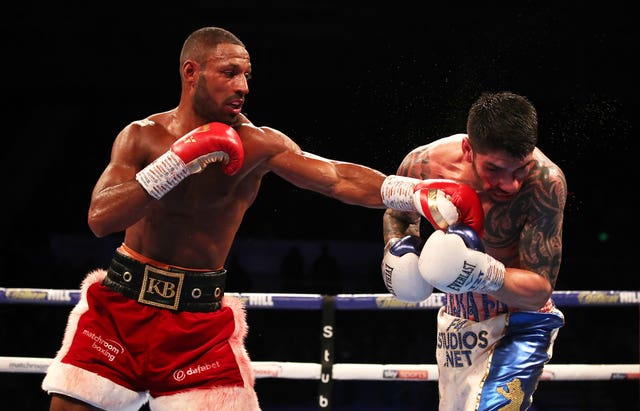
column 347, row 81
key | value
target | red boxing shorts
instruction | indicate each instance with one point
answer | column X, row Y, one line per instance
column 118, row 353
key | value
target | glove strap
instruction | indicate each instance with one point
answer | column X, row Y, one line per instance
column 201, row 162
column 164, row 173
column 493, row 278
column 397, row 192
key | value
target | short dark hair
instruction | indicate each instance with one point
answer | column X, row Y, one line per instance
column 199, row 43
column 503, row 121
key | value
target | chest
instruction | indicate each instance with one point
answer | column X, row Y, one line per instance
column 211, row 190
column 504, row 223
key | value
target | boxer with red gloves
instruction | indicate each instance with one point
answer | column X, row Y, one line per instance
column 179, row 222
column 190, row 154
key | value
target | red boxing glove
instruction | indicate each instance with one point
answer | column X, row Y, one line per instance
column 445, row 202
column 190, row 154
column 210, row 143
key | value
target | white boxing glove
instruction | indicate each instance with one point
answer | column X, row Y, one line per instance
column 400, row 270
column 454, row 262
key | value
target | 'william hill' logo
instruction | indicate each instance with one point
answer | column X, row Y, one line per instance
column 161, row 288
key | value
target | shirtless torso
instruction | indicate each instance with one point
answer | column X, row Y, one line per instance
column 520, row 230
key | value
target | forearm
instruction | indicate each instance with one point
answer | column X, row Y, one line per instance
column 347, row 182
column 398, row 224
column 523, row 289
column 115, row 208
column 358, row 185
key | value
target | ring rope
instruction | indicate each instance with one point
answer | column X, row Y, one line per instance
column 284, row 301
column 347, row 371
column 376, row 372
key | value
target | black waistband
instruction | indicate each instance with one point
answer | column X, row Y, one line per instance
column 174, row 289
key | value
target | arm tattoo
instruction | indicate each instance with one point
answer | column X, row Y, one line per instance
column 532, row 223
column 416, row 165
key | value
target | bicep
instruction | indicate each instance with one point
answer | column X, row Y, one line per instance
column 126, row 159
column 541, row 237
column 541, row 251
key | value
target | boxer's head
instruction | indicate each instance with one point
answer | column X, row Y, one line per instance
column 502, row 130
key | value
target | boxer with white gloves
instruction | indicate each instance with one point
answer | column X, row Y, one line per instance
column 498, row 323
column 400, row 269
column 455, row 262
column 211, row 143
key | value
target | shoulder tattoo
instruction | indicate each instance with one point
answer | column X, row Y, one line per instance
column 532, row 222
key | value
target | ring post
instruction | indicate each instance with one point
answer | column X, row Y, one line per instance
column 326, row 363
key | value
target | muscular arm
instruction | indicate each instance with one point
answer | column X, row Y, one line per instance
column 540, row 244
column 347, row 182
column 118, row 200
column 397, row 224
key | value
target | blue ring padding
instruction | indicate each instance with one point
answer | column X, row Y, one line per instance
column 281, row 301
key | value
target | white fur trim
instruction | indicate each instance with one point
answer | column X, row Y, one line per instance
column 81, row 384
column 100, row 392
column 91, row 388
column 220, row 398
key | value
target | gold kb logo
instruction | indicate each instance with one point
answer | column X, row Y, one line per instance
column 161, row 288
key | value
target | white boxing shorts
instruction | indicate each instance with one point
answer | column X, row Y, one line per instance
column 493, row 364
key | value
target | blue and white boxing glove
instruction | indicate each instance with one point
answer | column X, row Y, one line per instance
column 455, row 262
column 400, row 269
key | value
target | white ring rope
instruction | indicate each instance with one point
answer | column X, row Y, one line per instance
column 429, row 372
column 377, row 372
column 347, row 371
